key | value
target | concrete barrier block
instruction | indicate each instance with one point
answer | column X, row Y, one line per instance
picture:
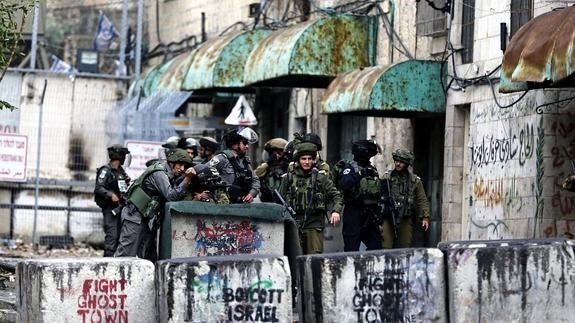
column 511, row 280
column 244, row 288
column 402, row 285
column 197, row 229
column 85, row 290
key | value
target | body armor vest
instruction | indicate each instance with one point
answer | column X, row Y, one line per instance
column 242, row 177
column 146, row 205
column 303, row 193
column 402, row 191
column 270, row 181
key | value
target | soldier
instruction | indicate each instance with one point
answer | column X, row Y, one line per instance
column 314, row 139
column 235, row 167
column 146, row 199
column 208, row 147
column 408, row 202
column 359, row 182
column 270, row 172
column 190, row 145
column 308, row 191
column 208, row 186
column 111, row 182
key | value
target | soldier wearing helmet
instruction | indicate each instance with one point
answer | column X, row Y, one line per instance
column 146, row 199
column 310, row 193
column 235, row 167
column 359, row 182
column 111, row 182
column 190, row 145
column 208, row 186
column 208, row 147
column 272, row 169
column 311, row 138
column 409, row 202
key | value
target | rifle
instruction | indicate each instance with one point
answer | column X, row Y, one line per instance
column 314, row 172
column 288, row 208
column 391, row 207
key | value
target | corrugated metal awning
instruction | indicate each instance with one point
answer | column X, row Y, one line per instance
column 173, row 76
column 541, row 54
column 399, row 90
column 311, row 54
column 219, row 63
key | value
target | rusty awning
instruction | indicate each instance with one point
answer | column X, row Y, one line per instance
column 403, row 89
column 173, row 76
column 311, row 54
column 541, row 54
column 219, row 63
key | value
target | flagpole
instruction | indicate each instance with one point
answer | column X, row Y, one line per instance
column 34, row 48
column 139, row 38
column 124, row 31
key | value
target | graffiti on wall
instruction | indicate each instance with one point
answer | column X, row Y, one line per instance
column 103, row 300
column 493, row 150
column 499, row 191
column 226, row 238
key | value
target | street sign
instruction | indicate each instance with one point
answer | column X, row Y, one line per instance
column 242, row 114
column 141, row 152
column 13, row 153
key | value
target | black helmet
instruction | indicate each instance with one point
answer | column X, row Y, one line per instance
column 206, row 173
column 188, row 143
column 313, row 138
column 364, row 148
column 117, row 152
column 241, row 134
column 209, row 143
column 179, row 155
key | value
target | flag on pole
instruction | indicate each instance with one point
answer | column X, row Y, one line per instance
column 105, row 33
column 59, row 66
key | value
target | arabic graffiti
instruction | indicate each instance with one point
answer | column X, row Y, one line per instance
column 492, row 150
column 227, row 238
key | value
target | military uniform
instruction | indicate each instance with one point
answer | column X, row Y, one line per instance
column 309, row 194
column 237, row 172
column 207, row 180
column 360, row 185
column 270, row 179
column 406, row 190
column 146, row 198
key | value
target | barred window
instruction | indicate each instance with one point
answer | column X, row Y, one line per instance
column 467, row 30
column 521, row 12
column 431, row 22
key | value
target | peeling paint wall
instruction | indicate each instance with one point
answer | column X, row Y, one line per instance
column 230, row 289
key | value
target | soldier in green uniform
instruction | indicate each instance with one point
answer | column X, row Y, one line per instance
column 314, row 139
column 208, row 147
column 271, row 171
column 309, row 191
column 207, row 186
column 409, row 202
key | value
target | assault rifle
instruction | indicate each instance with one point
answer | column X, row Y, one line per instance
column 288, row 208
column 389, row 206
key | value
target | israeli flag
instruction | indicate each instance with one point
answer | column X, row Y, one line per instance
column 104, row 34
column 59, row 66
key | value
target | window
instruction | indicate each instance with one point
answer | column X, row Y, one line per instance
column 467, row 30
column 521, row 12
column 431, row 22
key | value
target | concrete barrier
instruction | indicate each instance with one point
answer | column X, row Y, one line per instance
column 197, row 229
column 85, row 290
column 254, row 288
column 511, row 280
column 403, row 285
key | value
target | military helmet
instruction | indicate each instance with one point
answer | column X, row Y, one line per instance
column 189, row 143
column 241, row 134
column 313, row 138
column 275, row 143
column 403, row 155
column 205, row 172
column 209, row 143
column 304, row 148
column 364, row 148
column 179, row 155
column 171, row 142
column 288, row 150
column 117, row 152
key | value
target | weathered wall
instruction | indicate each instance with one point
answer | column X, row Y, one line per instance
column 404, row 285
column 239, row 289
column 510, row 281
column 86, row 290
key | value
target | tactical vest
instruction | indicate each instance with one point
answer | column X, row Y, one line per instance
column 146, row 205
column 242, row 177
column 402, row 191
column 303, row 193
column 369, row 189
column 270, row 181
column 117, row 185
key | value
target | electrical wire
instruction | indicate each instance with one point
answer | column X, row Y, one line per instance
column 495, row 98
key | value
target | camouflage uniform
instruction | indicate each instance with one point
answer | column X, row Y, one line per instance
column 407, row 190
column 309, row 194
column 270, row 172
column 207, row 180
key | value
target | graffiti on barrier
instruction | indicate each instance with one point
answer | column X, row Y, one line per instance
column 103, row 300
column 227, row 238
column 492, row 150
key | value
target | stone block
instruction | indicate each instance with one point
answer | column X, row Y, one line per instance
column 402, row 285
column 511, row 280
column 243, row 288
column 85, row 290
